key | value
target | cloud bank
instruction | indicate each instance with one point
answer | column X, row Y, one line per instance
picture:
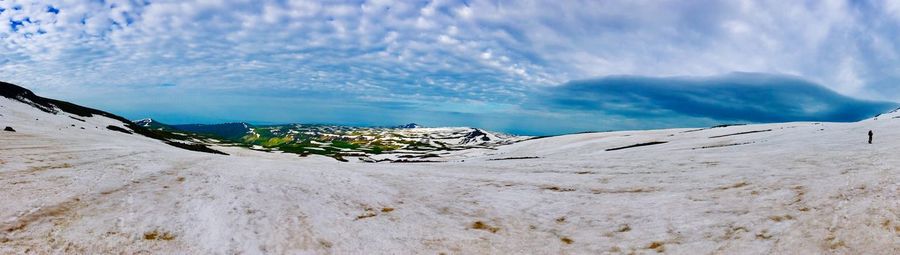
column 739, row 97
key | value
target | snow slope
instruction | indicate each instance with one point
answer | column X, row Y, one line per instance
column 799, row 188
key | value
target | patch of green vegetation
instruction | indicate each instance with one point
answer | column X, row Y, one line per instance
column 293, row 148
column 344, row 144
column 276, row 141
column 378, row 147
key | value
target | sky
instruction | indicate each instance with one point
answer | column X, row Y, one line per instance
column 525, row 67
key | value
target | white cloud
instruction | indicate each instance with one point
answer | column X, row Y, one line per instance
column 468, row 49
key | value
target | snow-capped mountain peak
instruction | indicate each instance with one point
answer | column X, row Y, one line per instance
column 410, row 125
column 145, row 122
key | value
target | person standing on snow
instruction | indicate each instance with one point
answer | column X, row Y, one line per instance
column 870, row 136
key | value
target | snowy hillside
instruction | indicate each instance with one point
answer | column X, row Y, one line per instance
column 788, row 188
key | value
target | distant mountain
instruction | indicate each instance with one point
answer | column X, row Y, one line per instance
column 410, row 125
column 231, row 131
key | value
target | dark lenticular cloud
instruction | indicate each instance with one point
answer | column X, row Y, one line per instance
column 739, row 97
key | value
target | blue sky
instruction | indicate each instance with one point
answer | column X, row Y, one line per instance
column 514, row 66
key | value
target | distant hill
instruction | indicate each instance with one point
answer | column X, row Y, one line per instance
column 231, row 131
column 410, row 125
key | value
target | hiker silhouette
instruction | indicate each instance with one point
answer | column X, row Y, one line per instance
column 870, row 136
